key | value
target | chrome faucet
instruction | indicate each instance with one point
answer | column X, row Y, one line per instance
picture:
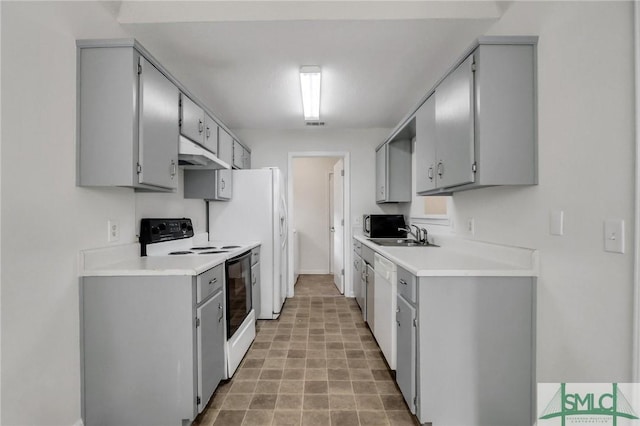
column 416, row 235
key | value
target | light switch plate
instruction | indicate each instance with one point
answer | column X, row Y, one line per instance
column 614, row 235
column 556, row 222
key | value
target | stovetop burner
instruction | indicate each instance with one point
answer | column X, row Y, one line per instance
column 214, row 251
column 230, row 247
column 180, row 252
column 204, row 248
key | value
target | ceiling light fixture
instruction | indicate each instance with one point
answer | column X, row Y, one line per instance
column 310, row 85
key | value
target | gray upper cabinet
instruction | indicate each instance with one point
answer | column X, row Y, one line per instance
column 426, row 146
column 210, row 134
column 210, row 185
column 393, row 172
column 197, row 125
column 127, row 121
column 191, row 120
column 225, row 146
column 454, row 126
column 478, row 126
column 238, row 155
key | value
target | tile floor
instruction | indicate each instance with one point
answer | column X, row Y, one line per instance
column 318, row 364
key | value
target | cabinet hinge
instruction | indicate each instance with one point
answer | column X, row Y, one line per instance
column 415, row 322
column 474, row 167
column 473, row 67
column 198, row 400
column 415, row 401
column 342, row 172
column 139, row 69
column 180, row 122
column 342, row 272
column 138, row 168
column 197, row 322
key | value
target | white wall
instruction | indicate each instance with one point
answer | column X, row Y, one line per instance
column 311, row 212
column 271, row 148
column 46, row 219
column 586, row 152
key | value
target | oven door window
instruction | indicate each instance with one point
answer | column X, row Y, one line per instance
column 238, row 292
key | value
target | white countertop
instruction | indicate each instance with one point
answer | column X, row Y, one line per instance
column 126, row 261
column 458, row 257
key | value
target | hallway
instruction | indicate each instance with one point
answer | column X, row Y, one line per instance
column 317, row 365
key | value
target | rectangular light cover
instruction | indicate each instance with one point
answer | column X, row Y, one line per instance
column 310, row 85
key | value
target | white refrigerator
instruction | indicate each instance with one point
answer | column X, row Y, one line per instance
column 257, row 211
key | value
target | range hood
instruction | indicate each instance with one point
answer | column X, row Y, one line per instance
column 193, row 156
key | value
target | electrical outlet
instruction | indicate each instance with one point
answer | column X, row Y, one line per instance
column 471, row 226
column 113, row 230
column 614, row 235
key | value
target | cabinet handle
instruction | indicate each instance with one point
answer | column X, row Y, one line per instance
column 200, row 126
column 208, row 133
column 398, row 323
column 174, row 169
column 440, row 169
column 430, row 173
column 403, row 282
column 213, row 281
column 253, row 280
column 221, row 313
column 222, row 184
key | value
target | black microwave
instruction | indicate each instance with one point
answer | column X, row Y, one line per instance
column 383, row 226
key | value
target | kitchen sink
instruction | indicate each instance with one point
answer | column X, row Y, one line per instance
column 399, row 242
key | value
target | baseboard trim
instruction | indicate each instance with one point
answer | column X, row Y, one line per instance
column 314, row 272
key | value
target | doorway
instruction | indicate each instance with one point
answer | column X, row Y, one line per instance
column 318, row 193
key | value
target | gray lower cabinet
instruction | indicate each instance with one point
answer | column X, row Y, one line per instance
column 128, row 114
column 406, row 351
column 255, row 280
column 210, row 185
column 478, row 126
column 152, row 347
column 393, row 172
column 474, row 357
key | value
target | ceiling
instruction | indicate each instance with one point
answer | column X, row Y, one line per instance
column 241, row 58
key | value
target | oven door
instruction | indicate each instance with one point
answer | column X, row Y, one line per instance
column 238, row 289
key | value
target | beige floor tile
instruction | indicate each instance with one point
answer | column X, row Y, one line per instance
column 287, row 418
column 229, row 418
column 369, row 402
column 342, row 402
column 289, row 402
column 373, row 418
column 258, row 418
column 315, row 402
column 316, row 418
column 344, row 418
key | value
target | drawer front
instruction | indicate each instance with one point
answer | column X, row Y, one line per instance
column 357, row 247
column 407, row 285
column 367, row 255
column 209, row 282
column 255, row 255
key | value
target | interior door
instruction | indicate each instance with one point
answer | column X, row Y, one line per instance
column 455, row 127
column 338, row 224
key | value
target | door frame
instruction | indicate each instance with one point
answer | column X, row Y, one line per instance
column 345, row 155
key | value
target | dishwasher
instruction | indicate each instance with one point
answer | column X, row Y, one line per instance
column 384, row 307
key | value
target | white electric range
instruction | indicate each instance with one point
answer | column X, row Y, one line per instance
column 176, row 238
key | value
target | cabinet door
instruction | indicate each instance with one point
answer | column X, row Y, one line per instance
column 224, row 180
column 371, row 298
column 238, row 155
column 406, row 352
column 426, row 146
column 455, row 127
column 246, row 160
column 225, row 146
column 191, row 120
column 210, row 347
column 158, row 128
column 381, row 173
column 356, row 277
column 210, row 134
column 255, row 288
